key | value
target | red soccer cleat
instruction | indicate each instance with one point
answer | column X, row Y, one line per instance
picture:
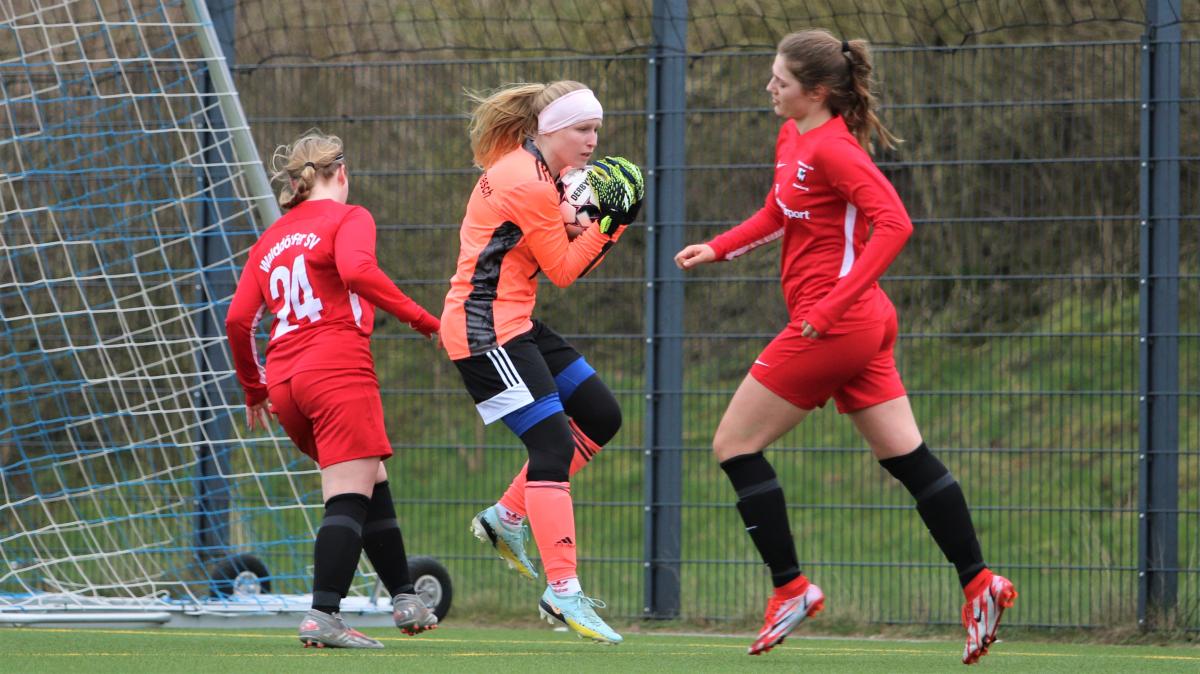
column 987, row 597
column 788, row 607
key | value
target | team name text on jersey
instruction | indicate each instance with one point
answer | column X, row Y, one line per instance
column 306, row 239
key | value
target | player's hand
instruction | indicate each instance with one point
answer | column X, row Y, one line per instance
column 619, row 188
column 809, row 331
column 695, row 254
column 436, row 338
column 259, row 415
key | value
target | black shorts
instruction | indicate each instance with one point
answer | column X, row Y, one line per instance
column 526, row 379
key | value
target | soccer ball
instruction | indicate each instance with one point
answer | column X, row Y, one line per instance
column 577, row 193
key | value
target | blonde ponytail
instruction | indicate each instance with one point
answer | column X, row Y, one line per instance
column 503, row 119
column 298, row 166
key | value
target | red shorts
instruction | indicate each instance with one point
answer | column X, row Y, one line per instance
column 333, row 415
column 857, row 368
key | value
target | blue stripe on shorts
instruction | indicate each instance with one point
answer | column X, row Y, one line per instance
column 572, row 376
column 524, row 419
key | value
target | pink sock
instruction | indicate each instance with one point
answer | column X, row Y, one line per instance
column 585, row 449
column 552, row 518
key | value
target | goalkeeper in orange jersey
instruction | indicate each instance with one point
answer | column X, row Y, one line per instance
column 516, row 368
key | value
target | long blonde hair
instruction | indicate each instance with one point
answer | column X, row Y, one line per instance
column 503, row 119
column 298, row 166
column 817, row 58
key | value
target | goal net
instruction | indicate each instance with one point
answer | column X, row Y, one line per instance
column 128, row 188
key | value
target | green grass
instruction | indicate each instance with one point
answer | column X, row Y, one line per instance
column 467, row 649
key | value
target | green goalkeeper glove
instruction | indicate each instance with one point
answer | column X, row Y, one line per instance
column 618, row 188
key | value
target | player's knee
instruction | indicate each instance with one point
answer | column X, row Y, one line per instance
column 609, row 424
column 551, row 447
column 595, row 410
column 726, row 446
column 602, row 424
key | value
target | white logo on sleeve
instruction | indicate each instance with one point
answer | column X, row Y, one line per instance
column 759, row 362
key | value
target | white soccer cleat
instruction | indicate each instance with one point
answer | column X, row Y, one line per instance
column 411, row 615
column 578, row 612
column 327, row 630
column 509, row 542
column 981, row 615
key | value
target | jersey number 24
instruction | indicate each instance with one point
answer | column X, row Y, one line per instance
column 291, row 284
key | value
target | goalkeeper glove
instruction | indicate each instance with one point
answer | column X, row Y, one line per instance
column 618, row 188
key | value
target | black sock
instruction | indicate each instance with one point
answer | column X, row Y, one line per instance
column 942, row 506
column 384, row 544
column 764, row 510
column 339, row 543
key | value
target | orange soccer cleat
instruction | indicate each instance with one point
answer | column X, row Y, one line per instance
column 788, row 607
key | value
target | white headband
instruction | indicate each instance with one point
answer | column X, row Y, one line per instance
column 570, row 109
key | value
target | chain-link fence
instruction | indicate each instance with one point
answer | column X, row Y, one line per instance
column 1022, row 337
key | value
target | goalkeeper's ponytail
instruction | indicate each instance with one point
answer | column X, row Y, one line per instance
column 817, row 58
column 503, row 119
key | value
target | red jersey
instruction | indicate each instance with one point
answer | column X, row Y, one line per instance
column 315, row 270
column 827, row 198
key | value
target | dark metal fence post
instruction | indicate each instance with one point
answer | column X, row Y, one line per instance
column 1158, row 499
column 664, row 210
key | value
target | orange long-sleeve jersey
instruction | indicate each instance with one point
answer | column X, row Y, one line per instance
column 512, row 229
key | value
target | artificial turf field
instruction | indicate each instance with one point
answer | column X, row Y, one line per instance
column 533, row 651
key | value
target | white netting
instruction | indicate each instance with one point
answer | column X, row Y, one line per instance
column 124, row 206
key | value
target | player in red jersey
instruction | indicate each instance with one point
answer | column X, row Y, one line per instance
column 842, row 224
column 516, row 368
column 315, row 270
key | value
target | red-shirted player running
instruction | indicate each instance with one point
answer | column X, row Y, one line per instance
column 842, row 224
column 315, row 270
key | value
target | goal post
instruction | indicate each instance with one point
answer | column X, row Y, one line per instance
column 212, row 534
column 130, row 189
column 222, row 87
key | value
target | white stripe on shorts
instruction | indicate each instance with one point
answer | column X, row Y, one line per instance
column 508, row 400
column 504, row 367
column 515, row 395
